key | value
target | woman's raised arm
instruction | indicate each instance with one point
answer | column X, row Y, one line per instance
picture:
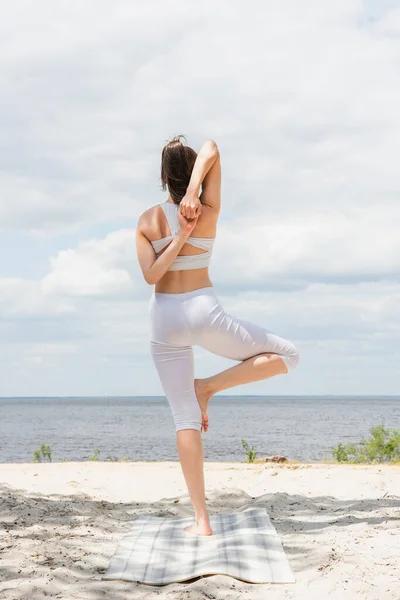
column 206, row 173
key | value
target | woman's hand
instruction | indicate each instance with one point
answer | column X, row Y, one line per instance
column 186, row 225
column 190, row 206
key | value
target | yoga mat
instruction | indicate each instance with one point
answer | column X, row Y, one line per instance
column 244, row 545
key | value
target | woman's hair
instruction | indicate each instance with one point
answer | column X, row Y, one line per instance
column 177, row 162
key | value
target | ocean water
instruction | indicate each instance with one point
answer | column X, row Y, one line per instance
column 141, row 428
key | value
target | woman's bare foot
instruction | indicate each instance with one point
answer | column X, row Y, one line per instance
column 203, row 394
column 199, row 528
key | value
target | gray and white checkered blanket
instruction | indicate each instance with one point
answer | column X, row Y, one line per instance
column 244, row 545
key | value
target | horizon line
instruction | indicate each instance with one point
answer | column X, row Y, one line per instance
column 216, row 395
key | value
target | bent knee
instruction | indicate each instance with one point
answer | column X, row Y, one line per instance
column 292, row 358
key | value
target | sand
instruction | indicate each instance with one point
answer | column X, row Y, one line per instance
column 60, row 524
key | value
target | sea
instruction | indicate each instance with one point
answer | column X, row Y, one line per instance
column 303, row 428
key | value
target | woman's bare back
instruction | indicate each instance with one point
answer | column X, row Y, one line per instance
column 206, row 227
column 154, row 226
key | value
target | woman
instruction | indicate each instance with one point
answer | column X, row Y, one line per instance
column 174, row 245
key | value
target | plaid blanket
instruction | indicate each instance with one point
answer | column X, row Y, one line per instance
column 244, row 545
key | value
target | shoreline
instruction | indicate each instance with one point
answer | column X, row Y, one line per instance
column 287, row 463
column 210, row 462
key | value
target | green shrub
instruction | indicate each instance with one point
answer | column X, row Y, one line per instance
column 341, row 452
column 383, row 446
column 251, row 453
column 43, row 453
column 95, row 455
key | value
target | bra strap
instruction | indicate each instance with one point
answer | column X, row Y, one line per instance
column 171, row 214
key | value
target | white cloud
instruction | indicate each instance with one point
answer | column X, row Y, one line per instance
column 293, row 251
column 95, row 268
column 21, row 298
column 303, row 103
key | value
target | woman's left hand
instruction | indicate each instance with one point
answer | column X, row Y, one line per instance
column 190, row 206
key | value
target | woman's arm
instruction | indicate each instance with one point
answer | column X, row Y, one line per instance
column 207, row 157
column 154, row 268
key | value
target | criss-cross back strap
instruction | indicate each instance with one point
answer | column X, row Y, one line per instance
column 171, row 214
column 203, row 243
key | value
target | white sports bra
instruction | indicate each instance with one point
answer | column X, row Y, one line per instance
column 183, row 263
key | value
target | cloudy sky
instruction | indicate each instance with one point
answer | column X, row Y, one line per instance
column 302, row 99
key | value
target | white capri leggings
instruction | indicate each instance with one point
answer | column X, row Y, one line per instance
column 180, row 321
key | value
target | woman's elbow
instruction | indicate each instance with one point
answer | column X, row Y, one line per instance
column 150, row 278
column 211, row 148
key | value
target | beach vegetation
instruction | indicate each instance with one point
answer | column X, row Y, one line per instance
column 250, row 452
column 95, row 456
column 43, row 454
column 382, row 446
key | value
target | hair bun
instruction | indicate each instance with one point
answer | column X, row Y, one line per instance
column 177, row 140
column 177, row 162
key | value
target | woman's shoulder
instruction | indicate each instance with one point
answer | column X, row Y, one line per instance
column 149, row 219
column 150, row 213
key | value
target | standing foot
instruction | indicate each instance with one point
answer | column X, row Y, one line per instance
column 203, row 395
column 199, row 528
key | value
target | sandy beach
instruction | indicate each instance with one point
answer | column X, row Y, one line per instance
column 60, row 524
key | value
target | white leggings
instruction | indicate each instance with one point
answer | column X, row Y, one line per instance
column 180, row 321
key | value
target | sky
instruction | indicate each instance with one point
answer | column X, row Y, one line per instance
column 302, row 100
